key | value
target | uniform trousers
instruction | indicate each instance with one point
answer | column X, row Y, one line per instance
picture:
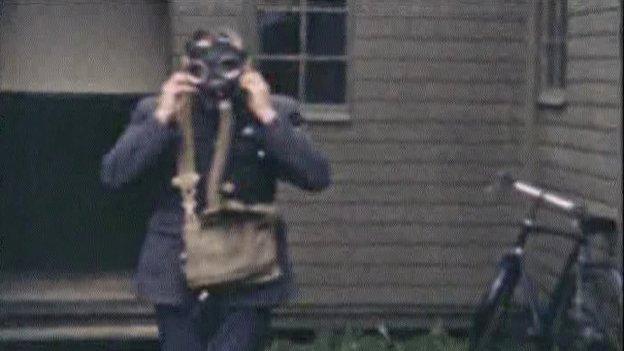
column 212, row 325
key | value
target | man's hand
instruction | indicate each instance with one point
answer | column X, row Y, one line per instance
column 169, row 101
column 258, row 96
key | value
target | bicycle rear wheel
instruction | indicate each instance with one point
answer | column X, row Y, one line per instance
column 488, row 330
column 595, row 322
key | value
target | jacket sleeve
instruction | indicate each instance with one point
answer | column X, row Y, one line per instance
column 138, row 148
column 297, row 161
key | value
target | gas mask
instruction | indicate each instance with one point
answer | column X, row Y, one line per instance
column 217, row 64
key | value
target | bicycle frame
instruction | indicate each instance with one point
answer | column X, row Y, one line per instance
column 542, row 322
column 569, row 290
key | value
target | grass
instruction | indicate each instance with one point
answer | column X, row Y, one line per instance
column 355, row 340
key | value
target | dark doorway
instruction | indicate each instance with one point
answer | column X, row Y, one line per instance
column 54, row 214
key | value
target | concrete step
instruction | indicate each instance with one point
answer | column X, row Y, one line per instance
column 71, row 306
column 69, row 333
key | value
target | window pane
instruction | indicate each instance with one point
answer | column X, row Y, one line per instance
column 279, row 32
column 325, row 82
column 278, row 2
column 326, row 3
column 282, row 76
column 326, row 34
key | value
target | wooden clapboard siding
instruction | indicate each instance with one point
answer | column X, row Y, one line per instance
column 579, row 146
column 483, row 10
column 393, row 193
column 458, row 49
column 448, row 112
column 376, row 131
column 434, row 234
column 402, row 27
column 436, row 104
column 586, row 117
column 435, row 113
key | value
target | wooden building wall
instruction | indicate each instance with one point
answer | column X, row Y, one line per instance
column 579, row 146
column 436, row 92
column 437, row 106
column 437, row 97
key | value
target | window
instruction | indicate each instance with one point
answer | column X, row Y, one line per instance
column 301, row 48
column 554, row 53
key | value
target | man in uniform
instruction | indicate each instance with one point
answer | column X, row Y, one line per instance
column 273, row 149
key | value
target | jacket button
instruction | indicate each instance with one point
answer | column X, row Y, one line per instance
column 228, row 187
column 203, row 296
column 261, row 153
column 248, row 131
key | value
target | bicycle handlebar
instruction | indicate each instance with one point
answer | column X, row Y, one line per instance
column 505, row 180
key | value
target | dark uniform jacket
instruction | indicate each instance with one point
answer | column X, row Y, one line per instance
column 259, row 156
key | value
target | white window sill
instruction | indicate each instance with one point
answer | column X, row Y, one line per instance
column 552, row 98
column 325, row 114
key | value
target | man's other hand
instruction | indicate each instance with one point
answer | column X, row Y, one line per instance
column 258, row 96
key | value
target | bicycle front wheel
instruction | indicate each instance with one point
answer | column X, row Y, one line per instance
column 487, row 331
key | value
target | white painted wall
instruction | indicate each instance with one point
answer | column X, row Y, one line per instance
column 83, row 46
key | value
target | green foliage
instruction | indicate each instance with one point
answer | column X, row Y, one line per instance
column 353, row 339
column 435, row 343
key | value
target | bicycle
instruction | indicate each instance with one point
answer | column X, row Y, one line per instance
column 585, row 310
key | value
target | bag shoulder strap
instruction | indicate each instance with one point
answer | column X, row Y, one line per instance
column 187, row 177
column 219, row 157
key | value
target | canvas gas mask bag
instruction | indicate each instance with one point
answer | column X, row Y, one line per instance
column 229, row 243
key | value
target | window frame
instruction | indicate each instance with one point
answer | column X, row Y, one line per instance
column 553, row 54
column 322, row 112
